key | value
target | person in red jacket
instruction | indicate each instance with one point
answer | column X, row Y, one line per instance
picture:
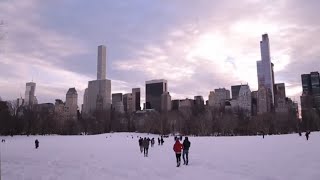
column 177, row 147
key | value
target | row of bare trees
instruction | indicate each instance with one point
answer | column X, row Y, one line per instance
column 191, row 121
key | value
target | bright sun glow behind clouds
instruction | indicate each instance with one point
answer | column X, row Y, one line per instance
column 251, row 28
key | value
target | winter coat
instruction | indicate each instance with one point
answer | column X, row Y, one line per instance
column 177, row 147
column 186, row 144
column 145, row 143
column 140, row 142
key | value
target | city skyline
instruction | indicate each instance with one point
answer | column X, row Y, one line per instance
column 60, row 57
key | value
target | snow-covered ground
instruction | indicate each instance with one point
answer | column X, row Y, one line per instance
column 118, row 157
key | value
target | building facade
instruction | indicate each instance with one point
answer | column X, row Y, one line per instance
column 29, row 99
column 280, row 98
column 136, row 96
column 245, row 99
column 165, row 102
column 154, row 90
column 117, row 102
column 102, row 63
column 127, row 102
column 98, row 95
column 72, row 103
column 264, row 67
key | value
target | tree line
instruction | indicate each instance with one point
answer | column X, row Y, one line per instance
column 203, row 121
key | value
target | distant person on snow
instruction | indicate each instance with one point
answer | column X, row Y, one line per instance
column 162, row 141
column 3, row 140
column 36, row 142
column 141, row 144
column 145, row 147
column 263, row 134
column 186, row 146
column 159, row 141
column 152, row 142
column 177, row 148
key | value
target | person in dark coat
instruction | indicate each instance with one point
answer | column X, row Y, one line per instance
column 186, row 146
column 159, row 141
column 263, row 134
column 162, row 141
column 36, row 142
column 177, row 148
column 140, row 144
column 145, row 147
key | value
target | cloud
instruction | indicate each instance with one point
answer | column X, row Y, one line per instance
column 196, row 46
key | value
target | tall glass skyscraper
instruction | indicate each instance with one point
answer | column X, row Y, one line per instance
column 264, row 67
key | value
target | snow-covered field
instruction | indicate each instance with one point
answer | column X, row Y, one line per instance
column 118, row 157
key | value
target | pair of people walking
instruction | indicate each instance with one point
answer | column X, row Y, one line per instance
column 178, row 147
column 144, row 146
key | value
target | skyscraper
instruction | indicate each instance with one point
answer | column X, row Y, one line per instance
column 29, row 99
column 264, row 67
column 102, row 63
column 244, row 99
column 280, row 97
column 154, row 90
column 165, row 102
column 127, row 102
column 306, row 84
column 136, row 99
column 99, row 91
column 72, row 103
column 315, row 83
column 117, row 102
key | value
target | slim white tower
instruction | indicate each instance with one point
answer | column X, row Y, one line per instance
column 102, row 62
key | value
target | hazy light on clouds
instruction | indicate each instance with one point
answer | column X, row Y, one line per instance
column 196, row 47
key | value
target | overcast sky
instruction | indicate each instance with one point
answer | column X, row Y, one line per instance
column 196, row 45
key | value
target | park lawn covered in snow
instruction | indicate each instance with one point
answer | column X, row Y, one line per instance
column 118, row 157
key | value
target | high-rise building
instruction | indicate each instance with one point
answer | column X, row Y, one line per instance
column 154, row 90
column 175, row 104
column 102, row 63
column 220, row 97
column 306, row 84
column 315, row 83
column 136, row 99
column 127, row 102
column 264, row 67
column 99, row 91
column 84, row 108
column 264, row 98
column 116, row 97
column 72, row 103
column 165, row 102
column 244, row 99
column 254, row 100
column 235, row 91
column 280, row 98
column 29, row 99
column 211, row 99
column 117, row 102
column 199, row 102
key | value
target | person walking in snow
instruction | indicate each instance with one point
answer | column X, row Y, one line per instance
column 263, row 134
column 186, row 145
column 141, row 144
column 145, row 147
column 152, row 142
column 177, row 148
column 36, row 142
column 159, row 141
column 162, row 141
